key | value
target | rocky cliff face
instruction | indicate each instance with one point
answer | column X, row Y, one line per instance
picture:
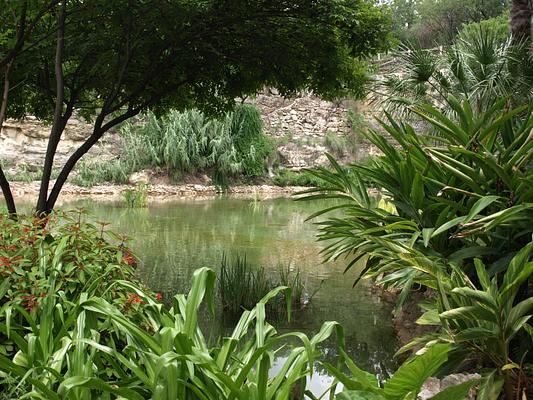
column 298, row 125
column 24, row 142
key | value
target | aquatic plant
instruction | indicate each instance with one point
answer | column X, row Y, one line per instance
column 240, row 285
column 137, row 197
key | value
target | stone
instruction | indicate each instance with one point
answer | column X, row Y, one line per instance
column 140, row 177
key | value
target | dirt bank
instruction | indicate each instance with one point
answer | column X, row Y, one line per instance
column 158, row 191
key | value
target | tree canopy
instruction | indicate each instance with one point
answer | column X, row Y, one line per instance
column 438, row 21
column 109, row 61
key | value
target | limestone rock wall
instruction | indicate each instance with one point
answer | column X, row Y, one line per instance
column 299, row 127
column 25, row 141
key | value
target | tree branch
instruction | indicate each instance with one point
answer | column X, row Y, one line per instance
column 98, row 131
column 60, row 120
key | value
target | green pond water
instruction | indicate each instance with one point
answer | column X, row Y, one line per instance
column 173, row 238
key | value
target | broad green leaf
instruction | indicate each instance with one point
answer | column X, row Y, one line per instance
column 457, row 392
column 359, row 395
column 414, row 372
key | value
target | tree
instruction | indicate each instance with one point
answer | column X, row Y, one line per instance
column 438, row 21
column 110, row 61
column 521, row 12
column 19, row 20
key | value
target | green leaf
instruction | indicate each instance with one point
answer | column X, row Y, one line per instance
column 413, row 373
column 448, row 225
column 430, row 317
column 359, row 395
column 417, row 192
column 479, row 206
column 468, row 313
column 517, row 272
column 457, row 392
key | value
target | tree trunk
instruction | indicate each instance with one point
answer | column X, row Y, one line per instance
column 98, row 131
column 521, row 11
column 4, row 184
column 60, row 119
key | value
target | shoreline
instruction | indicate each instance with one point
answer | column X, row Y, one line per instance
column 157, row 191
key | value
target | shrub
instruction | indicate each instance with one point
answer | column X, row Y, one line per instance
column 187, row 142
column 287, row 177
column 479, row 67
column 459, row 224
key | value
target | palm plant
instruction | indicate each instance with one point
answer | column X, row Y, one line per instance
column 478, row 67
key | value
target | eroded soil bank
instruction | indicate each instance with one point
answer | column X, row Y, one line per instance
column 159, row 191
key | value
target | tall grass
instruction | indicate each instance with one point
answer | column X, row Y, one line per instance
column 187, row 142
column 240, row 285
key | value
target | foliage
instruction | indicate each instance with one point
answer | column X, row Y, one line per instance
column 24, row 172
column 241, row 286
column 89, row 260
column 287, row 177
column 405, row 384
column 466, row 193
column 438, row 22
column 478, row 67
column 94, row 172
column 485, row 318
column 91, row 342
column 498, row 25
column 138, row 197
column 86, row 347
column 186, row 142
column 199, row 55
column 253, row 147
column 458, row 192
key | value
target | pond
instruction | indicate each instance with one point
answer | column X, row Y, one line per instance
column 173, row 238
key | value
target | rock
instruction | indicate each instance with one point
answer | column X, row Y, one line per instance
column 433, row 386
column 456, row 379
column 429, row 389
column 140, row 177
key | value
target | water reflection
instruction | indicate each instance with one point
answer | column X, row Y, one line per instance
column 174, row 238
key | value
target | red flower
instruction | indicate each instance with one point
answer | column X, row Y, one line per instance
column 129, row 259
column 5, row 262
column 26, row 229
column 133, row 298
column 29, row 302
column 158, row 296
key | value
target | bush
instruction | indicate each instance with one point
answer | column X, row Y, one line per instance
column 74, row 324
column 287, row 177
column 458, row 221
column 187, row 142
column 60, row 254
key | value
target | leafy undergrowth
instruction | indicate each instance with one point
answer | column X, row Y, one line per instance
column 75, row 324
